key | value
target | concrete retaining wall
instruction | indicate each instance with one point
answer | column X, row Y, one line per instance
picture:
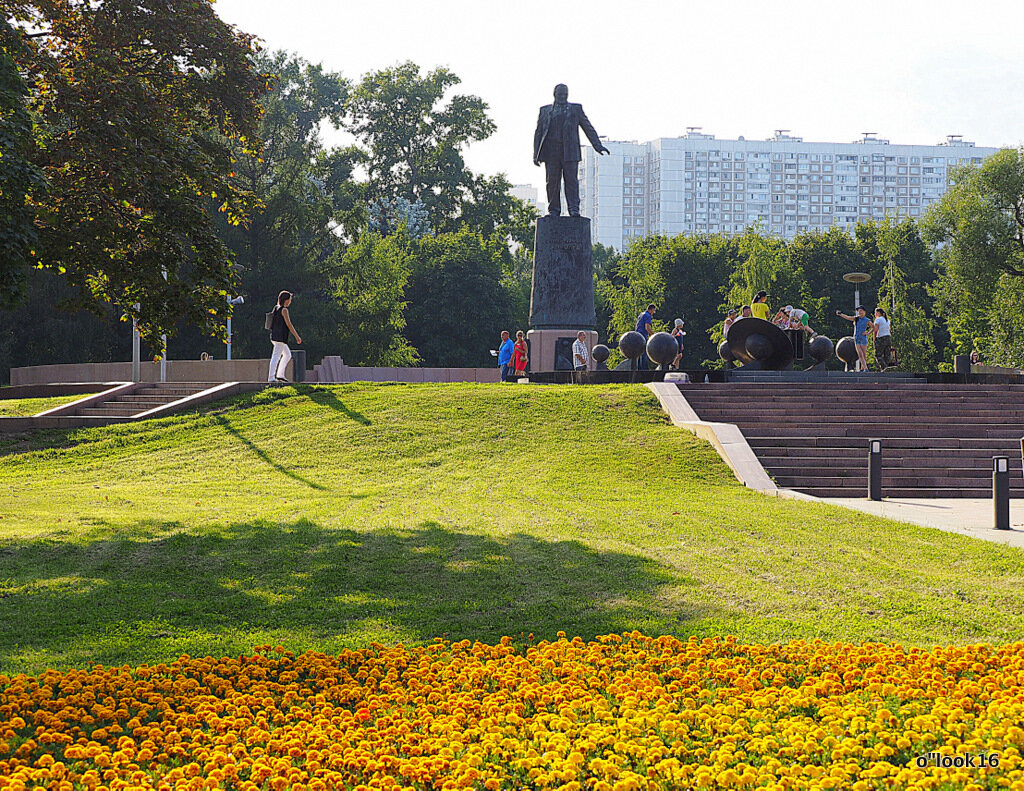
column 51, row 390
column 177, row 371
column 333, row 370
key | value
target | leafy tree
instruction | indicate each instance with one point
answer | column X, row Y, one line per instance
column 763, row 263
column 488, row 208
column 458, row 303
column 18, row 177
column 981, row 218
column 898, row 257
column 35, row 334
column 606, row 278
column 979, row 227
column 911, row 327
column 684, row 276
column 387, row 217
column 369, row 286
column 125, row 98
column 308, row 201
column 414, row 141
column 824, row 257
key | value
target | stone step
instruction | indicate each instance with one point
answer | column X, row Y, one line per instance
column 171, row 392
column 857, row 406
column 142, row 401
column 103, row 411
column 846, row 460
column 910, row 416
column 930, row 387
column 926, row 492
column 930, row 457
column 885, row 431
column 888, row 481
column 827, row 441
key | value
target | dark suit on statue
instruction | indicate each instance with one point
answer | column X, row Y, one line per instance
column 556, row 143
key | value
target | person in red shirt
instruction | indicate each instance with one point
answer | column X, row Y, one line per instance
column 520, row 354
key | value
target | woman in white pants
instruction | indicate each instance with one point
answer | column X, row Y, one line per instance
column 280, row 326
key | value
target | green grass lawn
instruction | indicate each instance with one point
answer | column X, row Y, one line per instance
column 26, row 407
column 324, row 517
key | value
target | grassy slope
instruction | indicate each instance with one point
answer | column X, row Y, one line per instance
column 329, row 517
column 26, row 407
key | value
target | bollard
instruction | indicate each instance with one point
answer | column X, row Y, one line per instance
column 1001, row 492
column 875, row 469
column 299, row 365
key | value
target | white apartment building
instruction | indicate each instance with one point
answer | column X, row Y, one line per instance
column 529, row 194
column 697, row 184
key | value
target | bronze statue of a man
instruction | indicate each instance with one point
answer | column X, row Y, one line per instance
column 556, row 143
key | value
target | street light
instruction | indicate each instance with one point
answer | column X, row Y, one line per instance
column 232, row 301
column 856, row 278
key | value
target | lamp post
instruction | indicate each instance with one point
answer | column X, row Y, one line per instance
column 136, row 349
column 163, row 357
column 232, row 301
column 856, row 278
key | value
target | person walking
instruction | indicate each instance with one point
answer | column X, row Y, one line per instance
column 505, row 352
column 520, row 354
column 280, row 327
column 644, row 327
column 580, row 356
column 861, row 322
column 759, row 307
column 881, row 331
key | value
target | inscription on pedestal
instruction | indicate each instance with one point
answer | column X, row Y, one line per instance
column 563, row 275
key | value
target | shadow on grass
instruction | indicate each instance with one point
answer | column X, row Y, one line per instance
column 330, row 400
column 264, row 456
column 61, row 601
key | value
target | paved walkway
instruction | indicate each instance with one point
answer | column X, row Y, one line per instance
column 968, row 517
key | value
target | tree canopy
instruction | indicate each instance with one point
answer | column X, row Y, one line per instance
column 414, row 134
column 18, row 176
column 134, row 105
column 978, row 226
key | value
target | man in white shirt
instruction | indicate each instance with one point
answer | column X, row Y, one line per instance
column 580, row 356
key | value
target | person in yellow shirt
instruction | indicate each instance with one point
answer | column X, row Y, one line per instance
column 759, row 307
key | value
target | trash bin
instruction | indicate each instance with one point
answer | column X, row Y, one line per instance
column 299, row 365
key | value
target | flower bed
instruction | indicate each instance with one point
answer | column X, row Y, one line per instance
column 628, row 712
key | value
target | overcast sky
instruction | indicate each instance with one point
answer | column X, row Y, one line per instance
column 909, row 70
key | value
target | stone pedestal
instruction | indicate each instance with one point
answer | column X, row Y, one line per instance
column 563, row 275
column 562, row 298
column 551, row 350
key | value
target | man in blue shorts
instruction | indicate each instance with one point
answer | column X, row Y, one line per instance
column 860, row 334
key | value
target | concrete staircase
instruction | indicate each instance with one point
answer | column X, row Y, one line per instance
column 938, row 440
column 145, row 398
column 127, row 402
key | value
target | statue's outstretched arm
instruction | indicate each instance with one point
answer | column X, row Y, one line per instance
column 591, row 133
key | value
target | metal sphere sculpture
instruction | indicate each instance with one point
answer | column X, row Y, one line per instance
column 632, row 345
column 846, row 350
column 821, row 349
column 725, row 353
column 600, row 353
column 662, row 348
column 758, row 347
